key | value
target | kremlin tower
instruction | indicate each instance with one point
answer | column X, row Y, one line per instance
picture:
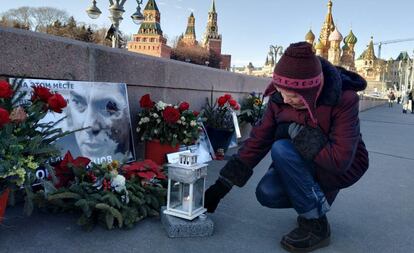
column 150, row 39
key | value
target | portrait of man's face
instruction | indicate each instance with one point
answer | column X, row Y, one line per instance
column 104, row 109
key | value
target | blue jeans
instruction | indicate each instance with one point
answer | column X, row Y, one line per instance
column 290, row 182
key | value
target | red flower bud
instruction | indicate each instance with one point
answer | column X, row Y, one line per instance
column 6, row 90
column 227, row 96
column 146, row 102
column 184, row 106
column 106, row 184
column 233, row 103
column 56, row 103
column 195, row 113
column 221, row 101
column 91, row 176
column 42, row 93
column 4, row 117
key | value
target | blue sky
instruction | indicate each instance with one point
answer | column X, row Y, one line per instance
column 249, row 27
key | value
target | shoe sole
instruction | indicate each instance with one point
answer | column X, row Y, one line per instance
column 319, row 245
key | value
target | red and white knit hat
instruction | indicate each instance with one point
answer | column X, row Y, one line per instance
column 300, row 71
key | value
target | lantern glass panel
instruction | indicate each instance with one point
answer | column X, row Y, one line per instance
column 198, row 193
column 180, row 196
column 176, row 195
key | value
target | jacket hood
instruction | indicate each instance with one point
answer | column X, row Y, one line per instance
column 336, row 80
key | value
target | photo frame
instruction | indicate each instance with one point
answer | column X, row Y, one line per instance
column 102, row 107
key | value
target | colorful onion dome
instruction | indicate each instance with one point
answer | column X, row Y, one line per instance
column 310, row 36
column 350, row 38
column 335, row 36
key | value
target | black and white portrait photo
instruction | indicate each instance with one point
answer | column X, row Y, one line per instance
column 101, row 110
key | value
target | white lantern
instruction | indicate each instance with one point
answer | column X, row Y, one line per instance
column 186, row 184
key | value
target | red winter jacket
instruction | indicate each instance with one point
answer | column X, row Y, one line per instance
column 334, row 144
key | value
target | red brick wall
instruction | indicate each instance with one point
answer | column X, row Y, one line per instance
column 225, row 61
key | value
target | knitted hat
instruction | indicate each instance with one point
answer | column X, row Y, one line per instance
column 300, row 71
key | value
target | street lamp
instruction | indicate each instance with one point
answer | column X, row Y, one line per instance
column 137, row 17
column 116, row 9
column 275, row 49
column 93, row 11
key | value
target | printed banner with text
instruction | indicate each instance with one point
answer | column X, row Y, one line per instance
column 100, row 107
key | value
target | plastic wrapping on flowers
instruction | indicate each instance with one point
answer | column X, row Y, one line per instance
column 219, row 114
column 252, row 109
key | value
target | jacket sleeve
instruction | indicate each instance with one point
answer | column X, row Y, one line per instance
column 339, row 152
column 239, row 169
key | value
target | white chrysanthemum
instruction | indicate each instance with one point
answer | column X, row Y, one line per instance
column 185, row 132
column 118, row 183
column 193, row 123
column 182, row 118
column 155, row 131
column 155, row 115
column 179, row 121
column 175, row 136
column 158, row 120
column 160, row 105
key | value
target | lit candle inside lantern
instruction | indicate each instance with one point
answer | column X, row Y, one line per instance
column 186, row 203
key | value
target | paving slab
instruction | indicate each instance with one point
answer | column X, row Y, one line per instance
column 374, row 215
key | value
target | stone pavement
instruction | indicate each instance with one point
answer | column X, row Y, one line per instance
column 374, row 215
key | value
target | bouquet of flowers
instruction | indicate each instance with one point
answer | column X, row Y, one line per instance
column 252, row 109
column 111, row 194
column 219, row 114
column 26, row 144
column 170, row 124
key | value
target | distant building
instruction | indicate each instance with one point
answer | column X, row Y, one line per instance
column 399, row 73
column 369, row 66
column 328, row 45
column 212, row 40
column 265, row 71
column 150, row 39
column 189, row 38
column 372, row 69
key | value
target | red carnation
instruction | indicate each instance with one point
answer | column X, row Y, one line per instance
column 195, row 113
column 184, row 106
column 171, row 115
column 233, row 103
column 6, row 90
column 221, row 101
column 42, row 93
column 56, row 103
column 237, row 107
column 227, row 96
column 146, row 102
column 4, row 117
